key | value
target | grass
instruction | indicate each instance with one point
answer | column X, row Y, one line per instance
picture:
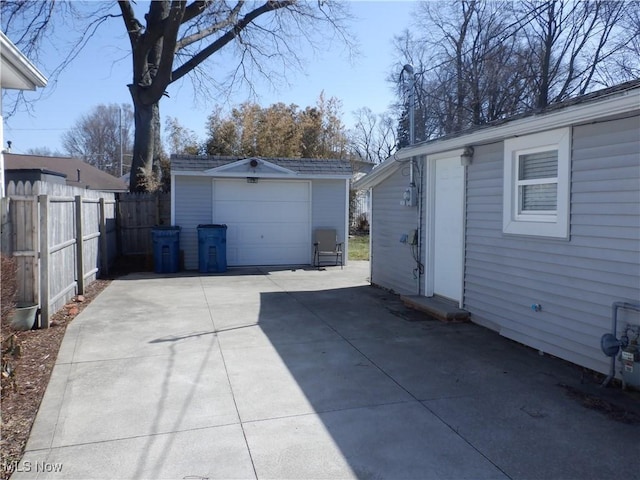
column 359, row 247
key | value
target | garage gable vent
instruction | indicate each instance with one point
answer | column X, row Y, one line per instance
column 252, row 167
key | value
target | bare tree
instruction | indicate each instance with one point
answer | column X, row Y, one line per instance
column 190, row 33
column 171, row 39
column 568, row 43
column 626, row 65
column 373, row 138
column 103, row 137
column 467, row 65
column 479, row 61
column 43, row 152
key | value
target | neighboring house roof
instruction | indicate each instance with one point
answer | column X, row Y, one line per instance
column 78, row 173
column 361, row 168
column 303, row 167
column 609, row 102
column 16, row 71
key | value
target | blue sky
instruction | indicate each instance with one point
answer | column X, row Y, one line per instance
column 359, row 82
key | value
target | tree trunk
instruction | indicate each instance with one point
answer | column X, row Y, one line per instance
column 147, row 119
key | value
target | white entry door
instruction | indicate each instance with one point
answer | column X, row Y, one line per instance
column 447, row 228
column 268, row 223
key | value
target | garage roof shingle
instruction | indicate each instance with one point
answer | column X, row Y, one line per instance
column 304, row 166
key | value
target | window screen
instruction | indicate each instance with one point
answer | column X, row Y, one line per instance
column 538, row 181
column 538, row 165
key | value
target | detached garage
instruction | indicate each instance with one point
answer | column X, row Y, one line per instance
column 271, row 206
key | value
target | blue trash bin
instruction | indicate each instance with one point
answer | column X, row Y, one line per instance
column 166, row 249
column 212, row 248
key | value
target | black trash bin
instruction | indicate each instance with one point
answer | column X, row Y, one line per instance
column 212, row 248
column 166, row 249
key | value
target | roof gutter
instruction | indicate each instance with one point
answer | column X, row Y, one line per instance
column 624, row 102
column 13, row 56
column 619, row 104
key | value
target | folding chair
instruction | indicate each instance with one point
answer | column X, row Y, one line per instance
column 325, row 244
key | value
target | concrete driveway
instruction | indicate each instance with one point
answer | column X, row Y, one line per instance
column 306, row 374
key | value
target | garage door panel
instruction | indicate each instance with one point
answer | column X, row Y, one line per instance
column 268, row 223
column 267, row 234
column 251, row 246
column 263, row 212
column 264, row 190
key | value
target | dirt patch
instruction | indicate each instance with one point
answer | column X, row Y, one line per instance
column 615, row 410
column 31, row 356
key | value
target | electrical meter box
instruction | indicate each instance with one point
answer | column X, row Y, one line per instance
column 409, row 196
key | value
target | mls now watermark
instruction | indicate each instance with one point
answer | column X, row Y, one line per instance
column 29, row 467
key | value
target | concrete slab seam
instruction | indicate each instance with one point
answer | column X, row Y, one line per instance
column 330, row 410
column 391, row 378
column 75, row 341
column 465, row 440
column 233, row 395
column 160, row 410
column 61, row 402
column 65, row 387
column 132, row 437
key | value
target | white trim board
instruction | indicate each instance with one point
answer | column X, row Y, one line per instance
column 617, row 104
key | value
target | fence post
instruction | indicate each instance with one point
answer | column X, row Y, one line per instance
column 5, row 242
column 35, row 271
column 104, row 243
column 79, row 245
column 117, row 214
column 43, row 200
column 156, row 197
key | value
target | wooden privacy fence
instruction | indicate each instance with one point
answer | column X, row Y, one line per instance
column 137, row 214
column 61, row 237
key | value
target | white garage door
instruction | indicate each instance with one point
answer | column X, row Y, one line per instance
column 268, row 222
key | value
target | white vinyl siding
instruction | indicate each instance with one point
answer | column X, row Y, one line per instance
column 392, row 263
column 192, row 207
column 574, row 281
column 536, row 184
column 328, row 207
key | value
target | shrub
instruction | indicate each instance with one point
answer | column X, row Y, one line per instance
column 362, row 224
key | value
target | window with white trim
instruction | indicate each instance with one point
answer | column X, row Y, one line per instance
column 536, row 184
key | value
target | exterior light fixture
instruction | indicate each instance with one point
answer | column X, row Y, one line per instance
column 253, row 163
column 252, row 179
column 466, row 156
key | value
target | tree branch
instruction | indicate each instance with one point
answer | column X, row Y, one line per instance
column 205, row 53
column 195, row 9
column 229, row 20
column 134, row 27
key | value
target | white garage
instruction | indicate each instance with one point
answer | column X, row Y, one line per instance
column 271, row 206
